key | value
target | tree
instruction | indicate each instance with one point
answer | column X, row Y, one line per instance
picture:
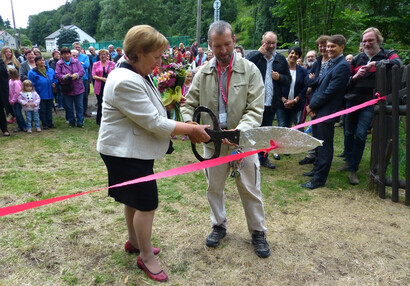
column 66, row 20
column 67, row 37
column 25, row 41
column 7, row 24
column 86, row 16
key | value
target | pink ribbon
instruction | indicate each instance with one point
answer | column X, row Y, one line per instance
column 169, row 173
column 342, row 112
column 184, row 169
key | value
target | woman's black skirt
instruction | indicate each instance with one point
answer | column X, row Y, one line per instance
column 141, row 196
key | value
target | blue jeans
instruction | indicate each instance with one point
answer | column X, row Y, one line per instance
column 21, row 122
column 71, row 101
column 30, row 116
column 287, row 117
column 355, row 129
column 46, row 112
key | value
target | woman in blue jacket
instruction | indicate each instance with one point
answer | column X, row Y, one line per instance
column 44, row 80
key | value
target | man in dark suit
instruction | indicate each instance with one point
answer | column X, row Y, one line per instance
column 276, row 77
column 327, row 99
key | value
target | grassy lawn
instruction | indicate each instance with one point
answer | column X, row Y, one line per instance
column 336, row 235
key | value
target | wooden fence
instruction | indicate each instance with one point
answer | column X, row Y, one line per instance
column 392, row 83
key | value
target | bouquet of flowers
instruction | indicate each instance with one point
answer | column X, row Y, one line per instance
column 171, row 77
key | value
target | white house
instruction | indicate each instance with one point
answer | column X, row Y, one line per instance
column 51, row 40
column 7, row 40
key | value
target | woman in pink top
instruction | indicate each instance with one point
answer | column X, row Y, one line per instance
column 101, row 69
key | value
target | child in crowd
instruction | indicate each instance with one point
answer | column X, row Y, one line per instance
column 30, row 101
column 14, row 92
column 188, row 82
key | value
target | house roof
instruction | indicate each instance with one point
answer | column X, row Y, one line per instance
column 4, row 31
column 56, row 33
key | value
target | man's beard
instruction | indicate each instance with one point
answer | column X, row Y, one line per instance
column 270, row 53
column 224, row 61
column 372, row 52
column 310, row 64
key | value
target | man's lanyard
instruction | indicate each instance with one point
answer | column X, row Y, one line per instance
column 225, row 96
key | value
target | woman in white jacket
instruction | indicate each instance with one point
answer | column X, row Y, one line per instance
column 134, row 132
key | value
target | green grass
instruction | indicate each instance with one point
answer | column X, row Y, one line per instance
column 80, row 241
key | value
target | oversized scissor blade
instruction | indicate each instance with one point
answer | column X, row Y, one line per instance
column 289, row 141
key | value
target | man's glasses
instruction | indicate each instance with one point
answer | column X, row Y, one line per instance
column 270, row 44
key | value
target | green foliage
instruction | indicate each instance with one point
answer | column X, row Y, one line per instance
column 7, row 24
column 25, row 41
column 67, row 37
column 294, row 21
column 1, row 22
column 66, row 20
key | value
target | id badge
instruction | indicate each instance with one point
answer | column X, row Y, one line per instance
column 222, row 119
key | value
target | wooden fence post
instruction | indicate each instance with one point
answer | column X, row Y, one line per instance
column 381, row 170
column 407, row 199
column 396, row 80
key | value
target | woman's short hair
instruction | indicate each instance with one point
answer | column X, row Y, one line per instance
column 54, row 52
column 103, row 51
column 38, row 58
column 143, row 38
column 322, row 39
column 27, row 52
column 297, row 50
column 65, row 50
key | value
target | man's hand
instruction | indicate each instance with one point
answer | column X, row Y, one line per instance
column 361, row 72
column 289, row 104
column 227, row 142
column 310, row 112
column 262, row 49
column 275, row 75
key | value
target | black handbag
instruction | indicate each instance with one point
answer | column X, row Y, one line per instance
column 67, row 86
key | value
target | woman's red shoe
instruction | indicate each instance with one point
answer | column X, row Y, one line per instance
column 160, row 276
column 131, row 249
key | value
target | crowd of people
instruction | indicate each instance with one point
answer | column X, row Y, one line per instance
column 244, row 91
column 61, row 83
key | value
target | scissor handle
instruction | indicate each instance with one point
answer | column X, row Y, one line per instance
column 216, row 134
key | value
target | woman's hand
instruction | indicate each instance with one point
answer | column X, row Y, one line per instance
column 198, row 134
column 183, row 100
column 170, row 106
